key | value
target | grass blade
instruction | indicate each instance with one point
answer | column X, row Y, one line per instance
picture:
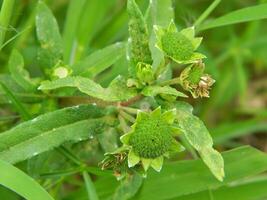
column 207, row 12
column 69, row 34
column 21, row 183
column 16, row 103
column 92, row 195
column 100, row 60
column 5, row 16
column 238, row 16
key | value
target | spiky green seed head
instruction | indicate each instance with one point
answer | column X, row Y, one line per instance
column 179, row 46
column 151, row 138
column 176, row 45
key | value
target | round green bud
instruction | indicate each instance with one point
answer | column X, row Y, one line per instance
column 178, row 46
column 152, row 138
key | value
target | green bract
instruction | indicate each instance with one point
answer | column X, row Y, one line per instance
column 151, row 138
column 144, row 73
column 179, row 46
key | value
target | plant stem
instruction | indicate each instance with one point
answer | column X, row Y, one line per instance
column 92, row 195
column 207, row 12
column 5, row 15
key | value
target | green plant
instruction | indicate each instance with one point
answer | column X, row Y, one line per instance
column 100, row 129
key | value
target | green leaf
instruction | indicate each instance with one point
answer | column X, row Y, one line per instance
column 236, row 129
column 16, row 180
column 185, row 177
column 238, row 16
column 117, row 90
column 198, row 136
column 252, row 188
column 139, row 38
column 48, row 36
column 128, row 187
column 49, row 131
column 100, row 60
column 18, row 73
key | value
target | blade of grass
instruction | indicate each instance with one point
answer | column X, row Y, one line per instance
column 5, row 16
column 69, row 34
column 16, row 103
column 91, row 191
column 21, row 183
column 238, row 16
column 207, row 12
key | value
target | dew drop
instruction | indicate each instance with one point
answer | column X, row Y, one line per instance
column 35, row 153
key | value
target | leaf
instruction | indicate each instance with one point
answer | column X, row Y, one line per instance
column 139, row 38
column 117, row 90
column 18, row 73
column 16, row 180
column 48, row 131
column 185, row 177
column 198, row 136
column 99, row 61
column 238, row 16
column 49, row 37
column 253, row 188
column 128, row 187
column 231, row 130
column 156, row 90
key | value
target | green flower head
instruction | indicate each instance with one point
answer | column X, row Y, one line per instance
column 151, row 138
column 179, row 46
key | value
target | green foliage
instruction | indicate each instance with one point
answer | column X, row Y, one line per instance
column 114, row 78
